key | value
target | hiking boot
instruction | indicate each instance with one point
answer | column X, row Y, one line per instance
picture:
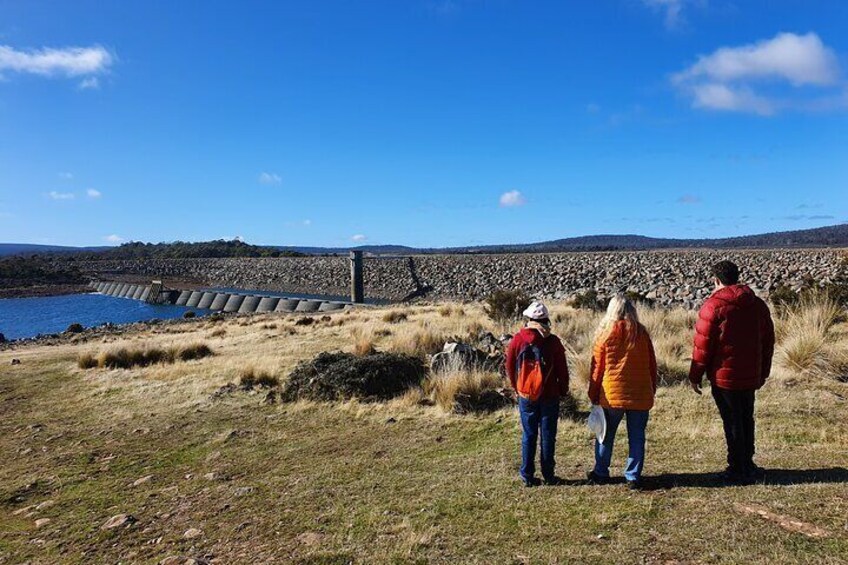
column 552, row 481
column 593, row 478
column 732, row 477
column 634, row 484
column 531, row 482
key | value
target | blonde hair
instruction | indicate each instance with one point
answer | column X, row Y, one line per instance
column 620, row 308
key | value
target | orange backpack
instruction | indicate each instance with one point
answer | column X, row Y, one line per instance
column 530, row 381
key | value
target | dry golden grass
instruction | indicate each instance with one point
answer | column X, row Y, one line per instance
column 404, row 480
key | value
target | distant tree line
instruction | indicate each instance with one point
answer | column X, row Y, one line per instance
column 185, row 250
column 25, row 271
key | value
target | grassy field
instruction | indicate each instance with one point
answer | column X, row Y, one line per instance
column 229, row 478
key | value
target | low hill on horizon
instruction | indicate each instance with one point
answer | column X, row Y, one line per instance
column 828, row 236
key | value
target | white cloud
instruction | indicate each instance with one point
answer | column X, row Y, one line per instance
column 359, row 238
column 60, row 195
column 798, row 59
column 307, row 223
column 90, row 83
column 270, row 178
column 93, row 193
column 49, row 62
column 673, row 10
column 114, row 238
column 512, row 198
column 66, row 176
column 733, row 78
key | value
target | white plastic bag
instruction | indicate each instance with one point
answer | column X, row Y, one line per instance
column 597, row 422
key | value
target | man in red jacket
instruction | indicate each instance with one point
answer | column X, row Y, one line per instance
column 734, row 344
column 538, row 402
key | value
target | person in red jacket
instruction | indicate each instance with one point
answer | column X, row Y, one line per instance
column 734, row 344
column 538, row 393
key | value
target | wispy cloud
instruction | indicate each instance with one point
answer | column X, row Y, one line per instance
column 306, row 223
column 55, row 195
column 689, row 199
column 90, row 83
column 358, row 238
column 733, row 78
column 51, row 62
column 93, row 193
column 269, row 178
column 66, row 176
column 671, row 9
column 114, row 238
column 512, row 199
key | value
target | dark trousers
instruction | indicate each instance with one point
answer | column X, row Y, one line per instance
column 535, row 416
column 737, row 413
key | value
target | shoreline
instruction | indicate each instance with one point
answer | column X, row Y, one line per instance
column 42, row 291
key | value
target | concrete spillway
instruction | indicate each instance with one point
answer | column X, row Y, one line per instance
column 218, row 301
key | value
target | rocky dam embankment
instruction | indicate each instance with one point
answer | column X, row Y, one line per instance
column 669, row 277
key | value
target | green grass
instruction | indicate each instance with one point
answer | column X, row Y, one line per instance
column 338, row 483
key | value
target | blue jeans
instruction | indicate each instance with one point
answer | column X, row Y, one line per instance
column 542, row 414
column 637, row 421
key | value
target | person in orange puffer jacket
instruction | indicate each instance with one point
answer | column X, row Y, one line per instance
column 623, row 382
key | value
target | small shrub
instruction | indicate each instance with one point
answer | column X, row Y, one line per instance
column 189, row 315
column 269, row 326
column 505, row 306
column 305, row 321
column 218, row 332
column 783, row 296
column 588, row 300
column 638, row 298
column 74, row 328
column 394, row 317
column 86, row 361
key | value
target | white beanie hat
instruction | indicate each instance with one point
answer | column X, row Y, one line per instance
column 536, row 311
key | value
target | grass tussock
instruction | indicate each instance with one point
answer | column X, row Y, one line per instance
column 251, row 377
column 395, row 317
column 806, row 342
column 466, row 391
column 131, row 357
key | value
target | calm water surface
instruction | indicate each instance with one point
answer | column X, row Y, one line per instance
column 28, row 317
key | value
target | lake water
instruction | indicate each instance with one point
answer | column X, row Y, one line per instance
column 28, row 317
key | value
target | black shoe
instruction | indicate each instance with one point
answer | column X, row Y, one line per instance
column 732, row 477
column 531, row 482
column 552, row 482
column 757, row 472
column 594, row 479
column 634, row 485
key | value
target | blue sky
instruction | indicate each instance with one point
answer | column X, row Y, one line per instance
column 419, row 122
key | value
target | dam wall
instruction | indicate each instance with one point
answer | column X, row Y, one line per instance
column 670, row 277
column 242, row 303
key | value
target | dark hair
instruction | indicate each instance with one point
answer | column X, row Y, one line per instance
column 726, row 271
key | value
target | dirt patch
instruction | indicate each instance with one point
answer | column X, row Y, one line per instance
column 336, row 376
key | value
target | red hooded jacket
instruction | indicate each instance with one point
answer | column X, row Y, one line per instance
column 553, row 353
column 734, row 340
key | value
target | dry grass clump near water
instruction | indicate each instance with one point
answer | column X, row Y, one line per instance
column 132, row 357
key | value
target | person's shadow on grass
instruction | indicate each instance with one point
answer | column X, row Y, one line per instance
column 773, row 477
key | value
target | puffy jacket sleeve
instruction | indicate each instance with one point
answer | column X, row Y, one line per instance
column 598, row 367
column 563, row 377
column 652, row 359
column 767, row 340
column 706, row 339
column 511, row 352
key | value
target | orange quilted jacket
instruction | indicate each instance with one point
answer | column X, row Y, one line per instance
column 622, row 377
